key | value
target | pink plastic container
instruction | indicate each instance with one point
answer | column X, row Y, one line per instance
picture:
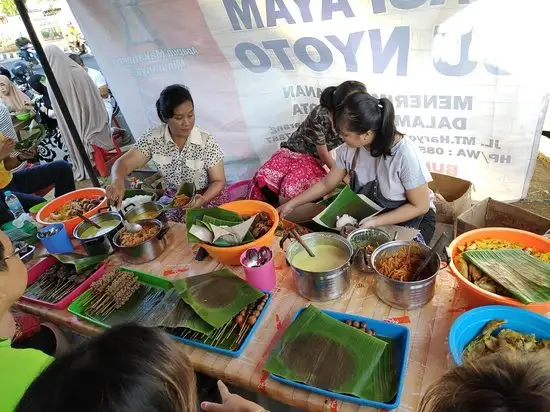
column 262, row 277
column 38, row 270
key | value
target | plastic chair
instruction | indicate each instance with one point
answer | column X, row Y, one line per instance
column 104, row 158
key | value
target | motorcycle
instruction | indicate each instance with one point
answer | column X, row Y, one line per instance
column 28, row 54
column 26, row 50
column 21, row 73
column 79, row 45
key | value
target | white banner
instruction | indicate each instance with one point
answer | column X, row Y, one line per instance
column 466, row 78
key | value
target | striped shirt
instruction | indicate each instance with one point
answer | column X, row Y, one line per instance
column 6, row 125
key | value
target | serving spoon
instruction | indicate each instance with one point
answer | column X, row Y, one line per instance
column 130, row 227
column 436, row 249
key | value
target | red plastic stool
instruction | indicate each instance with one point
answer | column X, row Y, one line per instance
column 104, row 159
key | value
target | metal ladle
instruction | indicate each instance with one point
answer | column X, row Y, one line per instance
column 130, row 227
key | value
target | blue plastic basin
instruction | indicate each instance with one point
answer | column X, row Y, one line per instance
column 470, row 324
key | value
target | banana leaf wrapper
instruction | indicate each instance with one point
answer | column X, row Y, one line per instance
column 229, row 233
column 524, row 276
column 325, row 353
column 196, row 216
column 218, row 296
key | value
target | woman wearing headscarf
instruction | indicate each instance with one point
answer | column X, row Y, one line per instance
column 51, row 146
column 85, row 106
column 14, row 98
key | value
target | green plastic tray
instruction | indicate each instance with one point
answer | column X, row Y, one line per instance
column 145, row 278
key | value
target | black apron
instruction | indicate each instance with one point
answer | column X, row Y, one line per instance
column 373, row 192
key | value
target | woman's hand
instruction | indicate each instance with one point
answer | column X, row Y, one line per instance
column 286, row 209
column 368, row 222
column 197, row 202
column 7, row 148
column 115, row 193
column 230, row 402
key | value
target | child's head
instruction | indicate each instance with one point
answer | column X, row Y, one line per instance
column 499, row 383
column 126, row 369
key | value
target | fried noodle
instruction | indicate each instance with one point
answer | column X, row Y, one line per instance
column 133, row 239
column 403, row 264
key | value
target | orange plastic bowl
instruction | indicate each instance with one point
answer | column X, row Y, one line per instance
column 58, row 202
column 232, row 255
column 479, row 297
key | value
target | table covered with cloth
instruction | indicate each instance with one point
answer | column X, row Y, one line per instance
column 429, row 355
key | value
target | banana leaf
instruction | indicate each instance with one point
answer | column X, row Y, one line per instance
column 328, row 199
column 194, row 215
column 323, row 352
column 218, row 296
column 173, row 312
column 80, row 262
column 524, row 276
column 224, row 237
column 347, row 203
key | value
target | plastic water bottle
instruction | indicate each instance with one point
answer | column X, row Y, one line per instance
column 14, row 204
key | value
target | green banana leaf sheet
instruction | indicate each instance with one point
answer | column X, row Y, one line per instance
column 80, row 262
column 524, row 276
column 194, row 215
column 218, row 296
column 325, row 353
column 173, row 312
column 347, row 203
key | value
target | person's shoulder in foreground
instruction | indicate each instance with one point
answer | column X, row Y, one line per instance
column 18, row 367
column 126, row 369
column 505, row 382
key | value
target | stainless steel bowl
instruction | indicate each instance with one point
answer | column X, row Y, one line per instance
column 361, row 238
column 153, row 209
column 146, row 251
column 102, row 244
column 321, row 286
column 404, row 295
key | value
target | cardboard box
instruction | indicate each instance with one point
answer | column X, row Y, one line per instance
column 453, row 196
column 492, row 213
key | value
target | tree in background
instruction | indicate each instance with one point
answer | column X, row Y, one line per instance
column 8, row 7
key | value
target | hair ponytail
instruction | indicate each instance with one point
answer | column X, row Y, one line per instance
column 361, row 113
column 386, row 133
column 333, row 97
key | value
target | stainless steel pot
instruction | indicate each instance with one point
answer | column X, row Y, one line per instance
column 134, row 213
column 321, row 286
column 360, row 239
column 146, row 251
column 404, row 295
column 102, row 244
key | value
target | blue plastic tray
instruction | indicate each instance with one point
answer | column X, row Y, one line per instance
column 233, row 353
column 470, row 324
column 401, row 338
